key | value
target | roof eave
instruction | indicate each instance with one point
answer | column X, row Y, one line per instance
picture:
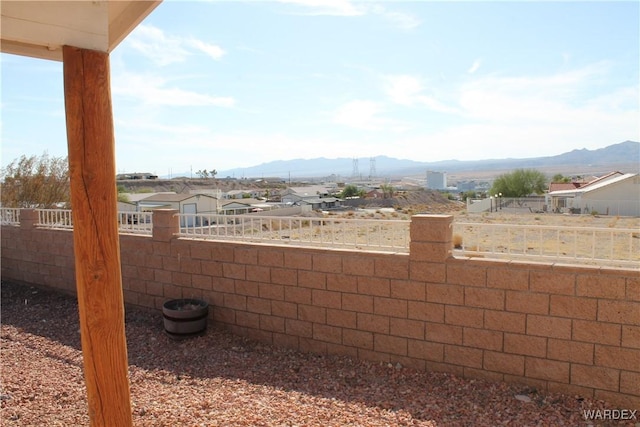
column 39, row 29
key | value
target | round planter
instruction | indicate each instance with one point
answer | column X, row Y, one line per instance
column 185, row 317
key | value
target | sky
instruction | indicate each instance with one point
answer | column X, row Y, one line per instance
column 232, row 84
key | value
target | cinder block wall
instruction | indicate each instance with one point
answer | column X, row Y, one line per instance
column 39, row 256
column 561, row 328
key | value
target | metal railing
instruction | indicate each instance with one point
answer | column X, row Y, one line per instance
column 62, row 219
column 540, row 204
column 135, row 222
column 55, row 218
column 10, row 216
column 512, row 205
column 618, row 247
column 371, row 235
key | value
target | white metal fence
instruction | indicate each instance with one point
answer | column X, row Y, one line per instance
column 600, row 207
column 585, row 245
column 618, row 247
column 62, row 219
column 135, row 222
column 10, row 216
column 383, row 235
column 540, row 204
column 512, row 205
column 55, row 218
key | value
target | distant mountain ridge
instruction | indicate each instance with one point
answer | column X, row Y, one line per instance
column 627, row 152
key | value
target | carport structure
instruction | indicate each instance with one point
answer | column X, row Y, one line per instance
column 82, row 34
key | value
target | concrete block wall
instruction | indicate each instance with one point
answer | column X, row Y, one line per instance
column 39, row 256
column 562, row 328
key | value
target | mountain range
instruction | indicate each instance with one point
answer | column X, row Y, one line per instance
column 625, row 154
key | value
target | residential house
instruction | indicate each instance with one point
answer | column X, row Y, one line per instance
column 183, row 203
column 616, row 193
column 297, row 194
column 243, row 194
column 376, row 193
column 126, row 206
column 317, row 197
column 242, row 206
column 321, row 203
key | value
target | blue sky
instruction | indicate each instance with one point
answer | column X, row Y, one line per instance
column 228, row 84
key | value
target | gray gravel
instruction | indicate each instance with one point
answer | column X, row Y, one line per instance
column 223, row 380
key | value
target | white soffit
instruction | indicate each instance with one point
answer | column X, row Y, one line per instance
column 40, row 28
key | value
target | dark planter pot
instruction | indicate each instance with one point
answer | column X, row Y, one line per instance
column 184, row 318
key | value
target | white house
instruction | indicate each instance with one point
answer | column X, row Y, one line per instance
column 243, row 194
column 613, row 194
column 183, row 203
column 242, row 206
column 313, row 196
column 311, row 192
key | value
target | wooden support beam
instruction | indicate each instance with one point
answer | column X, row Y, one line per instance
column 95, row 235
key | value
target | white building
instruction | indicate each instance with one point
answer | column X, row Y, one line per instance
column 436, row 180
column 612, row 194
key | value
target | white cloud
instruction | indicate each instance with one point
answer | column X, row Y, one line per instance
column 403, row 89
column 400, row 20
column 408, row 90
column 551, row 98
column 153, row 90
column 474, row 67
column 365, row 115
column 518, row 116
column 359, row 114
column 530, row 116
column 212, row 50
column 328, row 7
column 152, row 43
column 164, row 49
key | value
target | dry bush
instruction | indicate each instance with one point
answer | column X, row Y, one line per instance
column 457, row 241
column 35, row 182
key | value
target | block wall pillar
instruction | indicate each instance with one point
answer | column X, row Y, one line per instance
column 431, row 237
column 166, row 224
column 28, row 219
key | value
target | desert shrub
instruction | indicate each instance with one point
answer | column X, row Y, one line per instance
column 35, row 182
column 457, row 241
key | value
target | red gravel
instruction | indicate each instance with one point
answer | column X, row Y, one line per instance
column 223, row 380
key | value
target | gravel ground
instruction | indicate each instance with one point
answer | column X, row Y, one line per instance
column 223, row 380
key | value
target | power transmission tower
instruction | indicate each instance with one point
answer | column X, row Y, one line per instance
column 356, row 172
column 372, row 167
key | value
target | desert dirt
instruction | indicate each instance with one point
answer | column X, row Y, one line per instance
column 224, row 380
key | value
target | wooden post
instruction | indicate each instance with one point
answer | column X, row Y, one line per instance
column 95, row 235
